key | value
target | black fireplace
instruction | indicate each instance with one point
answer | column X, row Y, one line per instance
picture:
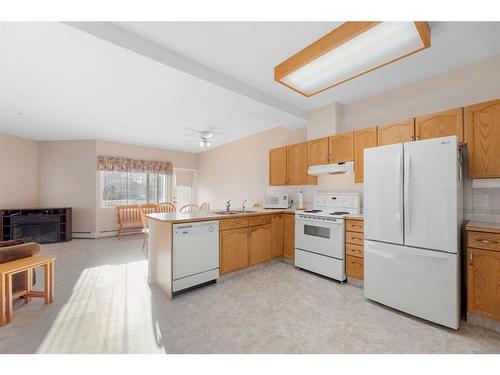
column 42, row 225
column 35, row 228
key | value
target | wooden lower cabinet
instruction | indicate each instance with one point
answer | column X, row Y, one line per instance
column 354, row 248
column 277, row 236
column 260, row 244
column 289, row 236
column 233, row 249
column 483, row 275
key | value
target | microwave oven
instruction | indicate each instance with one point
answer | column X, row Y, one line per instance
column 276, row 201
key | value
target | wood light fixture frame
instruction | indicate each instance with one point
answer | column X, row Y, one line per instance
column 334, row 39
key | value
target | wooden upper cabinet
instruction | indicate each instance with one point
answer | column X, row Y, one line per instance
column 483, row 283
column 364, row 138
column 277, row 166
column 482, row 122
column 319, row 151
column 398, row 132
column 441, row 124
column 298, row 164
column 342, row 147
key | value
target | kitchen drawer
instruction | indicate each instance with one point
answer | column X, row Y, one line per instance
column 354, row 267
column 237, row 222
column 483, row 240
column 355, row 250
column 259, row 220
column 354, row 225
column 354, row 238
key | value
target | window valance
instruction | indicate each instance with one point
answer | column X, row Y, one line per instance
column 119, row 164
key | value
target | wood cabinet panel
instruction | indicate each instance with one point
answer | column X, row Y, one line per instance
column 364, row 138
column 483, row 139
column 260, row 244
column 259, row 220
column 233, row 223
column 233, row 249
column 319, row 151
column 277, row 166
column 354, row 267
column 483, row 240
column 298, row 164
column 354, row 225
column 483, row 283
column 342, row 147
column 440, row 124
column 354, row 238
column 398, row 132
column 289, row 236
column 355, row 250
column 277, row 236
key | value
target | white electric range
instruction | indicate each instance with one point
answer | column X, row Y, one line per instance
column 319, row 234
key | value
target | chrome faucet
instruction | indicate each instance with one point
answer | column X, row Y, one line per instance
column 243, row 205
column 228, row 205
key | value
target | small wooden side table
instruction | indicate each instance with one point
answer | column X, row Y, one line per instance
column 25, row 265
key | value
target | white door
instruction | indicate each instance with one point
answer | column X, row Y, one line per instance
column 424, row 283
column 431, row 194
column 383, row 193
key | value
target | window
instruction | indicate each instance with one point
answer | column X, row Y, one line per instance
column 132, row 188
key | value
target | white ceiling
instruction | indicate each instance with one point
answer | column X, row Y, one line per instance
column 248, row 51
column 147, row 83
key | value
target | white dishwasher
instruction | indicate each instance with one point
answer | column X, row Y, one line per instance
column 195, row 254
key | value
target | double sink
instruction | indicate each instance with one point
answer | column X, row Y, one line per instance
column 232, row 212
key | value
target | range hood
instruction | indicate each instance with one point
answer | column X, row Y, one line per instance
column 338, row 168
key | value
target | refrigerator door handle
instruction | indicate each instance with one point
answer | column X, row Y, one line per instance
column 407, row 192
column 399, row 174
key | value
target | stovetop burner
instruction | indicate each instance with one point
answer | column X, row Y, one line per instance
column 339, row 213
column 313, row 211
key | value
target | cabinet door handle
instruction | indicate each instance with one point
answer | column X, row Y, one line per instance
column 470, row 259
column 487, row 241
column 357, row 238
column 356, row 264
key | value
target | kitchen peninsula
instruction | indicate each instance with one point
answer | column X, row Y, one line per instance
column 213, row 243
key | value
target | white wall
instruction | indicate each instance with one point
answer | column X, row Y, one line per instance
column 66, row 171
column 240, row 169
column 18, row 172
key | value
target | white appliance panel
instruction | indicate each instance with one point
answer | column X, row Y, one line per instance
column 322, row 265
column 324, row 237
column 195, row 248
column 383, row 193
column 421, row 282
column 431, row 194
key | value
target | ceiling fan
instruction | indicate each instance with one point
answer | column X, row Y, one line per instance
column 206, row 137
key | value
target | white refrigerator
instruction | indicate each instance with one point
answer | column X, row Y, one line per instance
column 413, row 217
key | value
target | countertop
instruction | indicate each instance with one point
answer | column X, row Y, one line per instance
column 483, row 226
column 354, row 217
column 184, row 217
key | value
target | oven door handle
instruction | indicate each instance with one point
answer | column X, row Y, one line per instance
column 318, row 222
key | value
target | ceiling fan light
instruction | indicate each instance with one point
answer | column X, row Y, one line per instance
column 336, row 60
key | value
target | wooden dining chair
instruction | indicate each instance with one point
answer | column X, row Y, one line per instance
column 190, row 208
column 166, row 207
column 205, row 206
column 146, row 209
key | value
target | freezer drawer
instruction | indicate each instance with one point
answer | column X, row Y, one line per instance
column 419, row 282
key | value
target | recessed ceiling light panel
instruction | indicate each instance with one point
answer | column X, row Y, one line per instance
column 352, row 49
